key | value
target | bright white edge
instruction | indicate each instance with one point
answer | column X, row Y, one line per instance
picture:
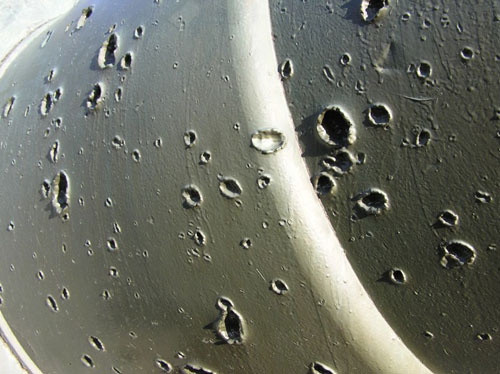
column 8, row 362
column 374, row 344
column 20, row 18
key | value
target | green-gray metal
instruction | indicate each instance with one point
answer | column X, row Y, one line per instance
column 161, row 167
column 431, row 71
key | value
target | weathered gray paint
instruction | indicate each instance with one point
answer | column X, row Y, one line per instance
column 459, row 105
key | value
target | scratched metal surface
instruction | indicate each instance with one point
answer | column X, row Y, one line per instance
column 161, row 180
column 439, row 152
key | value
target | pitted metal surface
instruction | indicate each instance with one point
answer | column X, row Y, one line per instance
column 161, row 167
column 418, row 83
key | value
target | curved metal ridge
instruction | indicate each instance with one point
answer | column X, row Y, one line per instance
column 170, row 224
column 16, row 348
column 349, row 312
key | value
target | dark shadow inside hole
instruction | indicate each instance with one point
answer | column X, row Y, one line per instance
column 336, row 127
column 376, row 5
column 321, row 369
column 324, row 184
column 109, row 57
column 461, row 251
column 424, row 70
column 379, row 115
column 94, row 96
column 232, row 186
column 192, row 197
column 398, row 276
column 62, row 197
column 286, row 69
column 375, row 200
column 97, row 343
column 232, row 324
column 423, row 138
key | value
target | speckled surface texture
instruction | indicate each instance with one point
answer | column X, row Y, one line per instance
column 257, row 187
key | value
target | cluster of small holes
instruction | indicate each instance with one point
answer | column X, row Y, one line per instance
column 108, row 203
column 54, row 152
column 46, row 104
